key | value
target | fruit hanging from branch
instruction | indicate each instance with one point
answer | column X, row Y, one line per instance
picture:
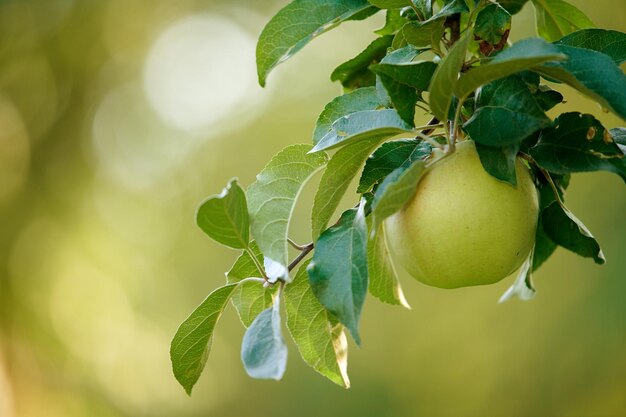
column 464, row 227
column 471, row 195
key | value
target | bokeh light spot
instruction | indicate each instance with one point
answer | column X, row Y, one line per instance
column 14, row 150
column 199, row 70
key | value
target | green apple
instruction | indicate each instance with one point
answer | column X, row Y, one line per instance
column 463, row 227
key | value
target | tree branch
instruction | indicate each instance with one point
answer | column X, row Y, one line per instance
column 305, row 251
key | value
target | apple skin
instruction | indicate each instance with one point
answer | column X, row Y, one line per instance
column 463, row 227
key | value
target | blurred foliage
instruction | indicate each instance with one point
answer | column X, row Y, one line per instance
column 118, row 117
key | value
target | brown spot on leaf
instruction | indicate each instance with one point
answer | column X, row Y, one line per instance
column 591, row 133
column 607, row 137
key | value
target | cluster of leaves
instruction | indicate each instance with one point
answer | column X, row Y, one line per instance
column 451, row 59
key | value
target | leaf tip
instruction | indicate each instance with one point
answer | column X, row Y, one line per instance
column 402, row 299
column 261, row 72
column 354, row 331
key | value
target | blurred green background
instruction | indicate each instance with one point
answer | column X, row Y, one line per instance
column 118, row 117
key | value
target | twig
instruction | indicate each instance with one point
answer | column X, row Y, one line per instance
column 454, row 23
column 430, row 140
column 430, row 126
column 295, row 245
column 455, row 126
column 433, row 122
column 305, row 251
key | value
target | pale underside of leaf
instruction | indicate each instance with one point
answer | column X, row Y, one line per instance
column 360, row 99
column 271, row 200
column 363, row 125
column 263, row 350
column 523, row 287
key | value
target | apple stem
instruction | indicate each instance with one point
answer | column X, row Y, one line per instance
column 295, row 245
column 430, row 141
column 455, row 126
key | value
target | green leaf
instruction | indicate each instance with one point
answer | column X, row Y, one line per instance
column 341, row 169
column 396, row 190
column 512, row 6
column 383, row 95
column 451, row 7
column 224, row 217
column 393, row 23
column 402, row 97
column 390, row 4
column 564, row 228
column 506, row 113
column 320, row 338
column 355, row 73
column 499, row 161
column 388, row 157
column 271, row 200
column 608, row 42
column 593, row 74
column 423, row 34
column 383, row 279
column 263, row 350
column 492, row 24
column 363, row 125
column 364, row 14
column 296, row 25
column 338, row 270
column 425, row 7
column 416, row 74
column 358, row 100
column 430, row 31
column 445, row 78
column 249, row 298
column 523, row 55
column 578, row 143
column 557, row 18
column 244, row 266
column 547, row 98
column 192, row 342
column 531, row 79
column 544, row 246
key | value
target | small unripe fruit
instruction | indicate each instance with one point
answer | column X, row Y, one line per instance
column 463, row 227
